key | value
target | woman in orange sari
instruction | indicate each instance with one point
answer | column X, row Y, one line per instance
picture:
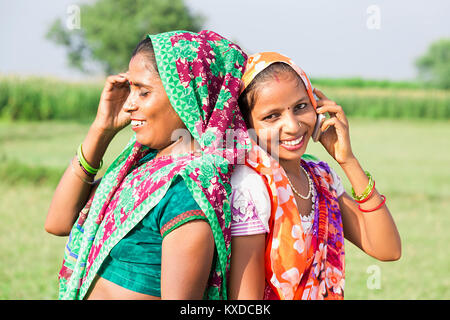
column 290, row 212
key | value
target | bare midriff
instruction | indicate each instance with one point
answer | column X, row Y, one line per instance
column 102, row 289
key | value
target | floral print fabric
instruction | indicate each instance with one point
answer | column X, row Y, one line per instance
column 298, row 264
column 201, row 74
column 250, row 203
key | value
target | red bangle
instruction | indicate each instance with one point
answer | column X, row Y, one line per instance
column 368, row 196
column 376, row 208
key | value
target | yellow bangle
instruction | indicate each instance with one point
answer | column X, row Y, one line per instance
column 85, row 164
column 367, row 192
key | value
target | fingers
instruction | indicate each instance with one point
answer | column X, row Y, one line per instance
column 340, row 127
column 320, row 94
column 323, row 100
column 124, row 75
column 334, row 110
column 117, row 80
column 325, row 105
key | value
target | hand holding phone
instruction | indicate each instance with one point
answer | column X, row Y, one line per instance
column 337, row 140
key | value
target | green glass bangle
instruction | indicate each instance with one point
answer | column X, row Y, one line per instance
column 368, row 189
column 85, row 164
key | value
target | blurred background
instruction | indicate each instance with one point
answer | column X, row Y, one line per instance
column 386, row 62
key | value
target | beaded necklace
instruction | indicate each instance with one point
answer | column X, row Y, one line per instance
column 306, row 219
column 309, row 182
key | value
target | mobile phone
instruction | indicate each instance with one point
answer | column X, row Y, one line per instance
column 319, row 120
column 316, row 133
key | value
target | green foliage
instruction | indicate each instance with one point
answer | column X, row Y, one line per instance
column 434, row 65
column 110, row 30
column 14, row 173
column 44, row 98
column 391, row 103
column 47, row 99
column 365, row 83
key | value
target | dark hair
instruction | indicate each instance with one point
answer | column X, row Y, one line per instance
column 145, row 47
column 248, row 97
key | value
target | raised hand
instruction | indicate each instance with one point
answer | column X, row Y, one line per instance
column 110, row 115
column 335, row 131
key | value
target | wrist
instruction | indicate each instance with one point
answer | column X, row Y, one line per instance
column 103, row 131
column 350, row 163
column 95, row 144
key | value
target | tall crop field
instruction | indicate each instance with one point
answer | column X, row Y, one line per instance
column 51, row 99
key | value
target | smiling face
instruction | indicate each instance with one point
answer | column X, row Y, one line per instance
column 282, row 110
column 152, row 116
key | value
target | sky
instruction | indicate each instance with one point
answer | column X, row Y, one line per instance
column 377, row 39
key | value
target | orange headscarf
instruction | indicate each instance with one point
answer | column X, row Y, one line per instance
column 298, row 265
column 260, row 61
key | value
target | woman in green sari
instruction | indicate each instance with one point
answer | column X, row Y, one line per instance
column 157, row 225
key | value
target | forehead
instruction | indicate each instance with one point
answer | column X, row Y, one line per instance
column 282, row 90
column 140, row 70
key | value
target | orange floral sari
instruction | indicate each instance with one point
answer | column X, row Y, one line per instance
column 301, row 266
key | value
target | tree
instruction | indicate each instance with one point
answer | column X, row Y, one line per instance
column 434, row 65
column 110, row 30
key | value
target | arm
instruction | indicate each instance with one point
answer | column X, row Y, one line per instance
column 186, row 260
column 247, row 277
column 374, row 232
column 72, row 192
column 250, row 210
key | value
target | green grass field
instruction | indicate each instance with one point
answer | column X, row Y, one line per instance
column 408, row 159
